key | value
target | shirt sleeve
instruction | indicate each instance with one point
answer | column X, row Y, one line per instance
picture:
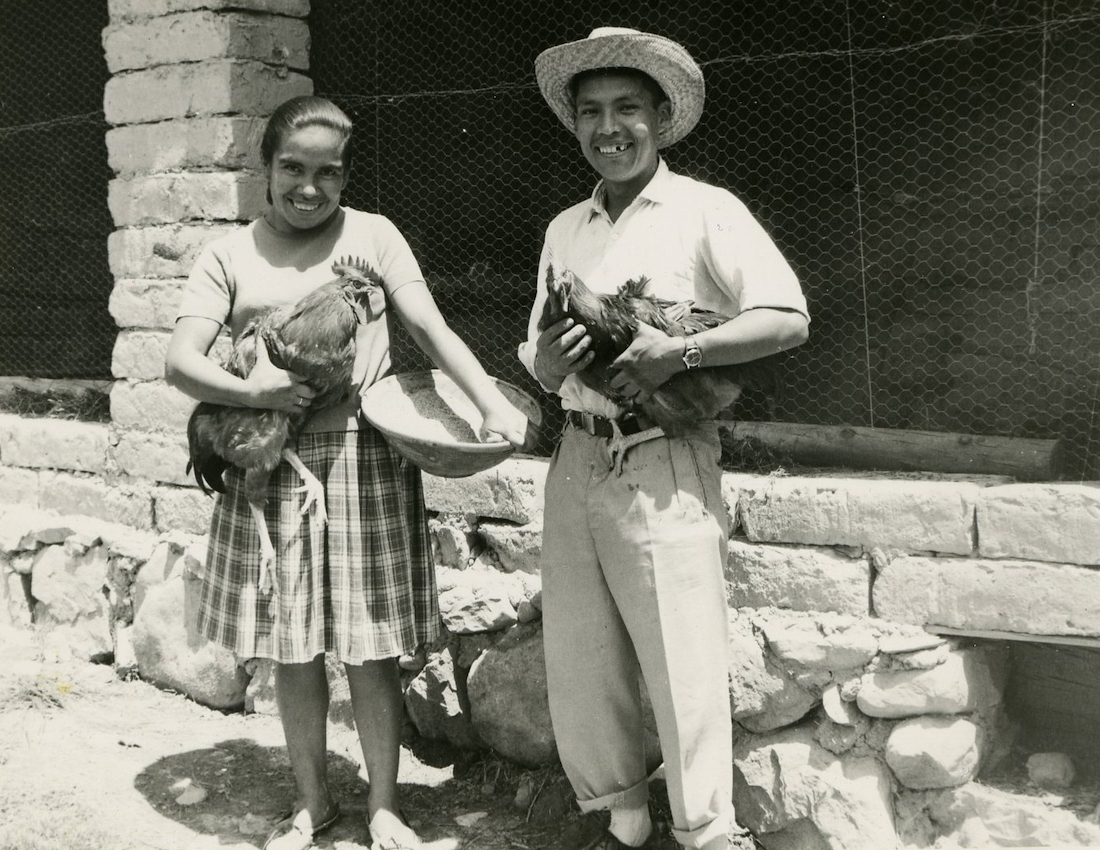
column 745, row 262
column 399, row 265
column 208, row 292
column 528, row 348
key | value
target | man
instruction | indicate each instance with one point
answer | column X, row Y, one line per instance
column 633, row 551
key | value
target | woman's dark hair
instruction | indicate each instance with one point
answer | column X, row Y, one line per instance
column 648, row 83
column 305, row 111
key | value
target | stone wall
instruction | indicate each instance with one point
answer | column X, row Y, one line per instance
column 857, row 726
column 849, row 708
column 193, row 81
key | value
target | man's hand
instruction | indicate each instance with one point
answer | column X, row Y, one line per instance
column 561, row 350
column 651, row 359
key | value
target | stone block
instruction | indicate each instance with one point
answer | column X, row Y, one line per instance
column 130, row 504
column 150, row 406
column 1041, row 522
column 511, row 491
column 53, row 444
column 71, row 613
column 204, row 34
column 509, row 707
column 437, row 702
column 968, row 680
column 139, row 356
column 1028, row 597
column 15, row 600
column 934, row 752
column 763, row 696
column 182, row 509
column 155, row 457
column 475, row 601
column 822, row 643
column 224, row 141
column 166, row 251
column 792, row 792
column 19, row 486
column 213, row 87
column 1004, row 817
column 125, row 10
column 168, row 647
column 800, row 578
column 906, row 514
column 146, row 304
column 517, row 546
column 186, row 196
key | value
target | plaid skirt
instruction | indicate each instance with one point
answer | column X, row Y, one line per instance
column 362, row 588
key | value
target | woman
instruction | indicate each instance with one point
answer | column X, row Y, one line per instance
column 364, row 587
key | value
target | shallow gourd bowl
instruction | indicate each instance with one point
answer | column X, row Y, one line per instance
column 430, row 422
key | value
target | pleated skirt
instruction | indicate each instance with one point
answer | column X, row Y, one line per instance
column 361, row 588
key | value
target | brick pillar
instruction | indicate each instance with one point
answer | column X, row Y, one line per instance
column 193, row 82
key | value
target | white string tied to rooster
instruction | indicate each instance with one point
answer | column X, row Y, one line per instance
column 620, row 444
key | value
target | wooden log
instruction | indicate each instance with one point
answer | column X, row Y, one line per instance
column 860, row 447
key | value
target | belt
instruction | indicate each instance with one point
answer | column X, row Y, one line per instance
column 600, row 426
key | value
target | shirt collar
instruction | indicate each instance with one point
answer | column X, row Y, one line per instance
column 655, row 191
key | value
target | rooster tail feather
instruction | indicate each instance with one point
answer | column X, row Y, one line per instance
column 635, row 287
column 203, row 461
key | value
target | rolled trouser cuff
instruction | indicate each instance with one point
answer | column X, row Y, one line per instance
column 634, row 797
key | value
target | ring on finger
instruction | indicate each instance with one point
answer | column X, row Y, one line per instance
column 301, row 402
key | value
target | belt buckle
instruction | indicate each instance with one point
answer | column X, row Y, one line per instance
column 588, row 421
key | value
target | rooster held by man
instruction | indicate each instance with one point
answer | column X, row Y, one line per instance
column 611, row 320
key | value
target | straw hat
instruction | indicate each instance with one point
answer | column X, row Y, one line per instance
column 618, row 47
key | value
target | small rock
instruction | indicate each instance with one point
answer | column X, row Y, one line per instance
column 897, row 644
column 525, row 792
column 469, row 819
column 839, row 711
column 415, row 662
column 1050, row 770
column 252, row 824
column 191, row 793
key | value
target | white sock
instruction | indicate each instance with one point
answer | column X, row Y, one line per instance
column 631, row 826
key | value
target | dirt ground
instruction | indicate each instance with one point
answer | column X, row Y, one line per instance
column 88, row 761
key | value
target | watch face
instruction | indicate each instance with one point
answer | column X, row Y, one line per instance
column 692, row 356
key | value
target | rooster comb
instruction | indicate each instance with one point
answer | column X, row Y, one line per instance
column 357, row 269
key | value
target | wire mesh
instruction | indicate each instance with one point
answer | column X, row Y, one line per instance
column 54, row 276
column 929, row 169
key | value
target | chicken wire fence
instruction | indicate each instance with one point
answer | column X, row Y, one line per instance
column 54, row 222
column 928, row 168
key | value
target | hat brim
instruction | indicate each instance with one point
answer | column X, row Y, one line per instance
column 662, row 59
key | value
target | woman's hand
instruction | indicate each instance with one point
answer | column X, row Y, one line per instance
column 651, row 359
column 272, row 388
column 511, row 424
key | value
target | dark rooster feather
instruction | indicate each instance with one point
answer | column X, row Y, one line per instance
column 314, row 338
column 611, row 320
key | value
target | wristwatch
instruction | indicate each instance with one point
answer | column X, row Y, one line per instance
column 693, row 357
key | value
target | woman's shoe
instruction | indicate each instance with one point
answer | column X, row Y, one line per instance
column 289, row 834
column 392, row 832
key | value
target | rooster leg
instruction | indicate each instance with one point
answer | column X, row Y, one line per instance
column 267, row 550
column 312, row 487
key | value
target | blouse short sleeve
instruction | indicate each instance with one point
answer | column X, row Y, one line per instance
column 208, row 292
column 398, row 264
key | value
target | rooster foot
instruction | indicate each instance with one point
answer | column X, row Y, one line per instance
column 313, row 489
column 314, row 498
column 267, row 551
column 267, row 568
